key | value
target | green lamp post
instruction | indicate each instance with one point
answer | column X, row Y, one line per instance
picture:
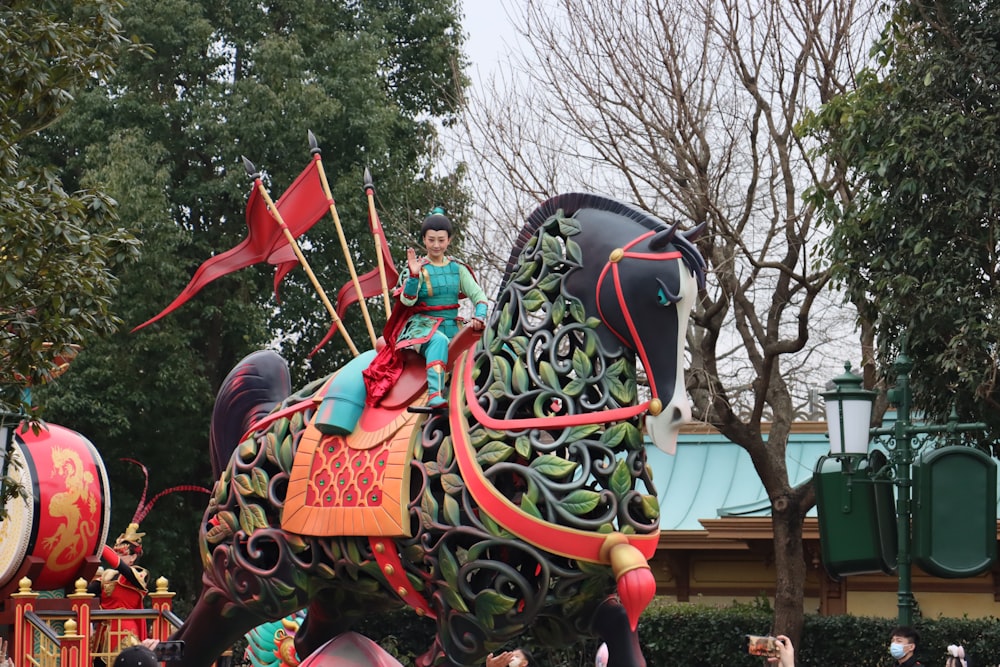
column 849, row 409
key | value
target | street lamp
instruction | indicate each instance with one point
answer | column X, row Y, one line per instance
column 849, row 409
column 848, row 415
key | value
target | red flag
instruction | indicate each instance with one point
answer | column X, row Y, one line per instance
column 301, row 206
column 285, row 260
column 305, row 199
column 371, row 282
column 371, row 285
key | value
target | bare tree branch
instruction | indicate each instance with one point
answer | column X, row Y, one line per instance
column 690, row 110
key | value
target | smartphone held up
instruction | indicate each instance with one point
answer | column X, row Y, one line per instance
column 761, row 645
column 169, row 651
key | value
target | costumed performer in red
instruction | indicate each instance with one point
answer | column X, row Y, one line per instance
column 121, row 585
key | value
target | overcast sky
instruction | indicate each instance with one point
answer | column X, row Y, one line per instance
column 490, row 34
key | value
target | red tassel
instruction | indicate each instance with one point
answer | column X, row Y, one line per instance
column 636, row 589
column 636, row 584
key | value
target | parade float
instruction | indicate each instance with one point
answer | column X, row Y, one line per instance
column 524, row 504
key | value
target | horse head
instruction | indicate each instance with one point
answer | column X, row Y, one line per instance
column 641, row 278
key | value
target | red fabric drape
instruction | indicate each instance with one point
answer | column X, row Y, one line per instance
column 387, row 365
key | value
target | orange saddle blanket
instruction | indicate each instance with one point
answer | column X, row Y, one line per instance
column 359, row 484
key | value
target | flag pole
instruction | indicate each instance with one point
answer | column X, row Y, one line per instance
column 377, row 231
column 252, row 172
column 315, row 150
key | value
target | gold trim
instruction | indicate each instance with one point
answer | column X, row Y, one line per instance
column 361, row 439
column 427, row 281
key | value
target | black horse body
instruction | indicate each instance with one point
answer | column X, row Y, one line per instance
column 591, row 285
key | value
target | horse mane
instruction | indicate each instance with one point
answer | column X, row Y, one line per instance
column 571, row 202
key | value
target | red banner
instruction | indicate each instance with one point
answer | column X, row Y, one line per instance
column 301, row 206
column 371, row 282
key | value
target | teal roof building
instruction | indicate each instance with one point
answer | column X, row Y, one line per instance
column 716, row 543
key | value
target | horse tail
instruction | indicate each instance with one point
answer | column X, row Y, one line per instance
column 250, row 391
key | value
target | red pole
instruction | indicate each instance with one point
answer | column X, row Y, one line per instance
column 24, row 601
column 81, row 602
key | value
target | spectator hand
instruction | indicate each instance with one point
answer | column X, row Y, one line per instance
column 499, row 660
column 786, row 652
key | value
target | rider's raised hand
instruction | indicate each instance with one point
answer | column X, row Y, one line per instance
column 412, row 262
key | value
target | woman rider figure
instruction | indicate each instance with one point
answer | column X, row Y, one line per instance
column 424, row 319
column 431, row 289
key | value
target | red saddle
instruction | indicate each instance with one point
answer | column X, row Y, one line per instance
column 413, row 379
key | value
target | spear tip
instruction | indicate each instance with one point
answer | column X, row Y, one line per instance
column 369, row 185
column 251, row 169
column 314, row 148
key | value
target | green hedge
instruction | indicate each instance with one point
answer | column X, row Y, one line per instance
column 698, row 636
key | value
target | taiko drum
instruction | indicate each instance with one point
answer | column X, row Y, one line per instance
column 66, row 515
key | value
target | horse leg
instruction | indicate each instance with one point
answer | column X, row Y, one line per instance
column 207, row 633
column 611, row 624
column 324, row 620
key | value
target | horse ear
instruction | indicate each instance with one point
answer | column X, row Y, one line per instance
column 695, row 233
column 661, row 239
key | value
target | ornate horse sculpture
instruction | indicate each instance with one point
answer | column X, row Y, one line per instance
column 520, row 507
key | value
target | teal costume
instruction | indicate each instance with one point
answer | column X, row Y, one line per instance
column 433, row 295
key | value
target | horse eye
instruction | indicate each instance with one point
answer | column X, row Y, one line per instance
column 665, row 296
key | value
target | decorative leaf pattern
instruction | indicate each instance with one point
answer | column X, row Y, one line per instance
column 541, row 358
column 544, row 359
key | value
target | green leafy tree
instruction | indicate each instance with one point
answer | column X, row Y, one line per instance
column 61, row 247
column 372, row 80
column 914, row 242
